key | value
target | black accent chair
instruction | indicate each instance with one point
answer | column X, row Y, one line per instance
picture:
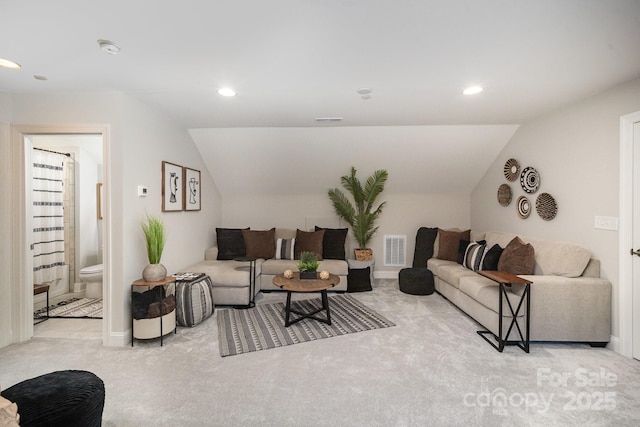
column 418, row 280
column 61, row 398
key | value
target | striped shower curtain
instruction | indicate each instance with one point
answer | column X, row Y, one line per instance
column 48, row 216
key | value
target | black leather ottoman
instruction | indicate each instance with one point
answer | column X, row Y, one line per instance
column 416, row 281
column 62, row 398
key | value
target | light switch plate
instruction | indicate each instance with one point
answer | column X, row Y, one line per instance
column 606, row 223
column 142, row 191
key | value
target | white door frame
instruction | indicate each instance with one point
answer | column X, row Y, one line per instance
column 22, row 268
column 625, row 285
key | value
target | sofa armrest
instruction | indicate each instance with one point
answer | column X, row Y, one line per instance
column 211, row 254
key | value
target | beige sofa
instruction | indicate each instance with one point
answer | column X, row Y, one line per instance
column 231, row 278
column 569, row 300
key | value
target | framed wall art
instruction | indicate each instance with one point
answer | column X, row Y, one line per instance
column 192, row 191
column 172, row 188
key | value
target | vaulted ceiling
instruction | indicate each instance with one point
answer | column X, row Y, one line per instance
column 292, row 61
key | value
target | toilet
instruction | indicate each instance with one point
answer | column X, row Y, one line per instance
column 92, row 276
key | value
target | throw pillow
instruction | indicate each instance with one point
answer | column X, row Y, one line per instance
column 309, row 241
column 473, row 255
column 462, row 249
column 425, row 238
column 450, row 242
column 260, row 243
column 359, row 280
column 491, row 258
column 284, row 248
column 517, row 257
column 333, row 242
column 230, row 243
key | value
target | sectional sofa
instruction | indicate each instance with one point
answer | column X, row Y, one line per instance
column 275, row 251
column 569, row 300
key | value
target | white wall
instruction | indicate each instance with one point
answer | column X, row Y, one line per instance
column 139, row 140
column 576, row 151
column 6, row 254
column 403, row 214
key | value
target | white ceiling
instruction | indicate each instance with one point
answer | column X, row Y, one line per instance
column 292, row 61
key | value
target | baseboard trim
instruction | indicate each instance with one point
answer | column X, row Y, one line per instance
column 119, row 339
column 614, row 344
column 385, row 274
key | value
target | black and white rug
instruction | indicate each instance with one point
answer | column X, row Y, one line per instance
column 74, row 308
column 262, row 327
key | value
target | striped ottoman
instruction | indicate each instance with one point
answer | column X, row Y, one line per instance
column 194, row 301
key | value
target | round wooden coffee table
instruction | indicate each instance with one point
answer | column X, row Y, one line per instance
column 296, row 284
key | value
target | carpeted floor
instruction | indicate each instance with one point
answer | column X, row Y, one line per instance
column 432, row 368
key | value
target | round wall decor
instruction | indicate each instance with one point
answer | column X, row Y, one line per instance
column 546, row 206
column 511, row 169
column 530, row 180
column 524, row 207
column 504, row 195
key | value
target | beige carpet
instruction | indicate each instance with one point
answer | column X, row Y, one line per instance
column 430, row 369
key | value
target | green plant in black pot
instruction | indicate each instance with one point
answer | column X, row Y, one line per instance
column 308, row 265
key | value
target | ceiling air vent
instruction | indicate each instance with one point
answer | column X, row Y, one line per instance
column 395, row 250
column 328, row 119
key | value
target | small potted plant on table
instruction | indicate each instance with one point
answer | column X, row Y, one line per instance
column 308, row 265
column 155, row 235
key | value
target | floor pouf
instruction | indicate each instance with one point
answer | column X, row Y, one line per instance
column 194, row 301
column 416, row 281
column 62, row 398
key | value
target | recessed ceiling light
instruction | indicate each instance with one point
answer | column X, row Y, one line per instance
column 5, row 63
column 226, row 91
column 108, row 47
column 328, row 119
column 39, row 77
column 472, row 90
column 364, row 90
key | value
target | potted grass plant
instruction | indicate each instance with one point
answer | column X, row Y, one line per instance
column 155, row 235
column 308, row 265
column 360, row 214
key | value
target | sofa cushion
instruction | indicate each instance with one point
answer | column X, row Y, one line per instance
column 491, row 257
column 333, row 242
column 309, row 241
column 486, row 292
column 555, row 258
column 517, row 257
column 449, row 243
column 260, row 243
column 230, row 243
column 225, row 273
column 278, row 266
column 284, row 248
column 473, row 256
column 452, row 272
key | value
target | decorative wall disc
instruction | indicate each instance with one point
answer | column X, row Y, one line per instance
column 504, row 195
column 530, row 180
column 511, row 170
column 546, row 206
column 524, row 207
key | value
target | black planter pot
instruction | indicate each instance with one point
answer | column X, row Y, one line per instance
column 308, row 274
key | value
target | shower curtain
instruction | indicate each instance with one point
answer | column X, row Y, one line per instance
column 48, row 216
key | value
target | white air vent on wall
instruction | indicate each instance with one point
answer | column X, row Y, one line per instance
column 395, row 250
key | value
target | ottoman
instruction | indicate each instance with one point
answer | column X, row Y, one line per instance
column 194, row 300
column 416, row 281
column 61, row 398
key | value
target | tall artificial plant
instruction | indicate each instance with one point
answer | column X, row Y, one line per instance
column 155, row 233
column 360, row 214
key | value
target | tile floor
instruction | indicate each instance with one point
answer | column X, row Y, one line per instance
column 87, row 329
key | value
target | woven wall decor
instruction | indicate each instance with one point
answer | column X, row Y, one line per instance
column 546, row 206
column 504, row 195
column 523, row 207
column 530, row 180
column 511, row 170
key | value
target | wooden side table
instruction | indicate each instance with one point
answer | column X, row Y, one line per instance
column 505, row 280
column 141, row 282
column 37, row 290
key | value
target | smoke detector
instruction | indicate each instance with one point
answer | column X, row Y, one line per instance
column 108, row 47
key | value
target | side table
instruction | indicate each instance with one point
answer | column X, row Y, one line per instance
column 172, row 324
column 252, row 279
column 505, row 280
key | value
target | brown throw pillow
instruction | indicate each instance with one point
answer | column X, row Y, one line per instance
column 260, row 243
column 450, row 242
column 517, row 258
column 309, row 241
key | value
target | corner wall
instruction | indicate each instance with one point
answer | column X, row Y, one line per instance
column 576, row 151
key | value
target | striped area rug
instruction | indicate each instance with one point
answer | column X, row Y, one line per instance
column 262, row 327
column 78, row 308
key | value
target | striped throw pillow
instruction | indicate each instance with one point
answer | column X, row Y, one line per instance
column 473, row 256
column 284, row 248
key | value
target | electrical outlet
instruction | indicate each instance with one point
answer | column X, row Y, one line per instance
column 606, row 223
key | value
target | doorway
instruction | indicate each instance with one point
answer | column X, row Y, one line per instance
column 629, row 286
column 23, row 299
